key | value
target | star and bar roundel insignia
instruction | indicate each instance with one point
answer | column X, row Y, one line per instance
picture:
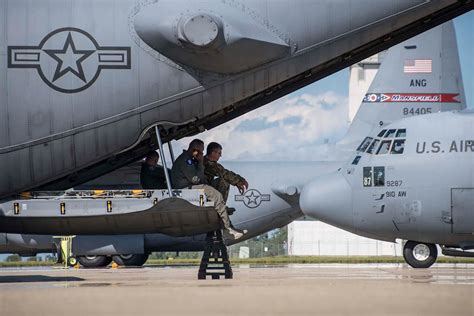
column 69, row 60
column 252, row 198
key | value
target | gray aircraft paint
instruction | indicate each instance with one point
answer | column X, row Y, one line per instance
column 83, row 81
column 273, row 197
column 425, row 193
column 268, row 204
column 437, row 45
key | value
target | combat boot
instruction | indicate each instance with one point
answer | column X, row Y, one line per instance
column 236, row 234
column 228, row 228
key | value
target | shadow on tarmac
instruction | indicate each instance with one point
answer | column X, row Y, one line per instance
column 36, row 278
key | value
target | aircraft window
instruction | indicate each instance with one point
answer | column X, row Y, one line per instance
column 401, row 133
column 384, row 147
column 356, row 160
column 365, row 144
column 382, row 133
column 372, row 146
column 367, row 176
column 379, row 176
column 390, row 133
column 398, row 146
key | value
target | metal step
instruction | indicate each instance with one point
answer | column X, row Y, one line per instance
column 215, row 257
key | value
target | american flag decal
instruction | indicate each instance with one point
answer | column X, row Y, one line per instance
column 418, row 66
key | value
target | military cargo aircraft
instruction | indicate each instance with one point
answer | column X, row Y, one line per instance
column 273, row 199
column 84, row 83
column 413, row 178
column 265, row 206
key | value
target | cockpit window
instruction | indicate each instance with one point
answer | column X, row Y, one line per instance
column 382, row 133
column 379, row 176
column 401, row 133
column 356, row 160
column 390, row 133
column 384, row 147
column 398, row 146
column 365, row 144
column 373, row 146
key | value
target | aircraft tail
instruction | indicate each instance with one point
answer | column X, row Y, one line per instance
column 419, row 76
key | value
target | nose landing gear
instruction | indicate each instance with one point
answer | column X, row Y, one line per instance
column 420, row 255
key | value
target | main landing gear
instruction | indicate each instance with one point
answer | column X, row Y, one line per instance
column 420, row 255
column 137, row 260
column 94, row 261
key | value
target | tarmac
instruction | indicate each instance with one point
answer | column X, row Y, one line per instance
column 322, row 289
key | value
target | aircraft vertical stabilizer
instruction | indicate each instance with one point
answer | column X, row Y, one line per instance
column 419, row 76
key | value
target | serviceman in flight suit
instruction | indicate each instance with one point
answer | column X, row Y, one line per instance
column 151, row 175
column 219, row 177
column 188, row 172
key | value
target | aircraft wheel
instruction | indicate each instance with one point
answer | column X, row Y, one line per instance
column 420, row 255
column 131, row 260
column 72, row 261
column 94, row 261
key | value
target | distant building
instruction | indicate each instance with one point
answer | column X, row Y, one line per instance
column 315, row 238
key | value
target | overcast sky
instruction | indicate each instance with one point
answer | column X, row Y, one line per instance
column 292, row 127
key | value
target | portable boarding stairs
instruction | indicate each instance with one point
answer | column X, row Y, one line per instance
column 215, row 260
column 177, row 213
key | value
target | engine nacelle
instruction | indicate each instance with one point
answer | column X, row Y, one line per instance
column 221, row 40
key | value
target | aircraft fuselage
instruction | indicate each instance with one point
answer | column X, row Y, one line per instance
column 82, row 82
column 416, row 184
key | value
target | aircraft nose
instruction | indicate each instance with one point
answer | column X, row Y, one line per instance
column 329, row 199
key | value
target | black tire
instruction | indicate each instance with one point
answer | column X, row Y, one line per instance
column 94, row 261
column 428, row 254
column 72, row 261
column 130, row 260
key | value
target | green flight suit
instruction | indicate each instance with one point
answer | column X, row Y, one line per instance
column 152, row 177
column 220, row 178
column 189, row 173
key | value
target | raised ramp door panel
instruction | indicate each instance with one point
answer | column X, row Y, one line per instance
column 462, row 205
column 171, row 216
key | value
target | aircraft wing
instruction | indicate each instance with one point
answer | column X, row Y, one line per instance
column 83, row 86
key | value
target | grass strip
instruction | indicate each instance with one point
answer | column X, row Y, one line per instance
column 19, row 264
column 308, row 260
